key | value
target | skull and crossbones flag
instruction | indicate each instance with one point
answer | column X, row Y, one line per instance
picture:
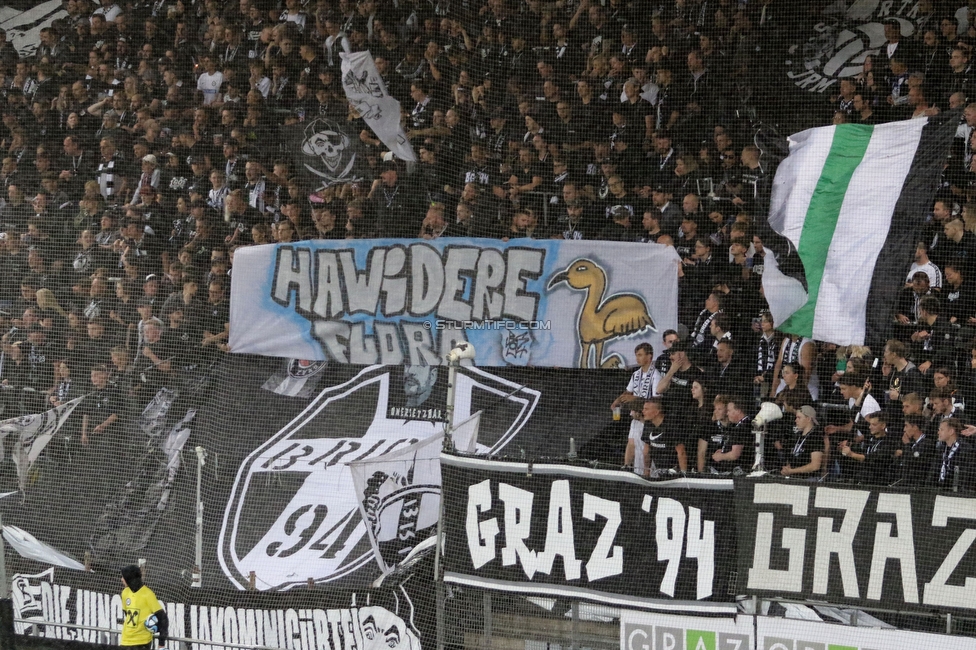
column 325, row 152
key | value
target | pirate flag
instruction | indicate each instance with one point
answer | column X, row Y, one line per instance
column 325, row 152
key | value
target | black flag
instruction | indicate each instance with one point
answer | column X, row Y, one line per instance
column 325, row 152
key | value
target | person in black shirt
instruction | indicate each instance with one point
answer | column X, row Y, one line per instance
column 94, row 350
column 40, row 356
column 216, row 315
column 953, row 464
column 675, row 385
column 738, row 450
column 101, row 407
column 917, row 453
column 876, row 454
column 933, row 339
column 324, row 220
column 710, row 428
column 805, row 457
column 959, row 296
column 663, row 444
column 901, row 375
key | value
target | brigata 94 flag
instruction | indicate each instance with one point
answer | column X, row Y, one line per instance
column 520, row 303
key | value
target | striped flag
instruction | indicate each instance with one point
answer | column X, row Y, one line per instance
column 850, row 199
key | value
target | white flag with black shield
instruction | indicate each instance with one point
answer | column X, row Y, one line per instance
column 32, row 434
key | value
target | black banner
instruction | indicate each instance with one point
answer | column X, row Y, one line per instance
column 870, row 548
column 278, row 497
column 400, row 616
column 575, row 532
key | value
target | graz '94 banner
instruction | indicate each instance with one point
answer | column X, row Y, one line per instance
column 521, row 303
column 575, row 532
column 878, row 548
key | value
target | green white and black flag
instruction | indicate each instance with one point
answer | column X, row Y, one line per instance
column 850, row 198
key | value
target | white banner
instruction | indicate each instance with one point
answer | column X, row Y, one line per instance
column 366, row 91
column 653, row 631
column 525, row 302
column 791, row 634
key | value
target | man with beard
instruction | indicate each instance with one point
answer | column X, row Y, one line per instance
column 418, row 383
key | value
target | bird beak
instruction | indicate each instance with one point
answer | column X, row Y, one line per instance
column 556, row 279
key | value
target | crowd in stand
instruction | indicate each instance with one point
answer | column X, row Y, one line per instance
column 141, row 146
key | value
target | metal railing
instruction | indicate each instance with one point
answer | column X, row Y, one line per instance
column 36, row 623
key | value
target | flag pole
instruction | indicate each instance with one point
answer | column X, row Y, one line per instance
column 4, row 583
column 197, row 576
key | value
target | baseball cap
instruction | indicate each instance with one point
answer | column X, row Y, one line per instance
column 619, row 212
column 149, row 158
column 810, row 412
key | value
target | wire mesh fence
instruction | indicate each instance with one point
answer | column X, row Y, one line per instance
column 658, row 313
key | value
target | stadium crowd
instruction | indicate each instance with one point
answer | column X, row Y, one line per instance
column 141, row 146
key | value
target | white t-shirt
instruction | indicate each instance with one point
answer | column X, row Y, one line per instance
column 869, row 405
column 931, row 270
column 209, row 85
column 110, row 12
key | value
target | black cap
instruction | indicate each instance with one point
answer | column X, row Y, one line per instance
column 131, row 571
column 619, row 212
column 388, row 166
column 678, row 346
column 133, row 576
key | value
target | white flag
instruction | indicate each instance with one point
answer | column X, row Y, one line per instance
column 400, row 493
column 32, row 548
column 33, row 433
column 366, row 91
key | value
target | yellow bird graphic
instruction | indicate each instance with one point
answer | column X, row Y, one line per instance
column 600, row 320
